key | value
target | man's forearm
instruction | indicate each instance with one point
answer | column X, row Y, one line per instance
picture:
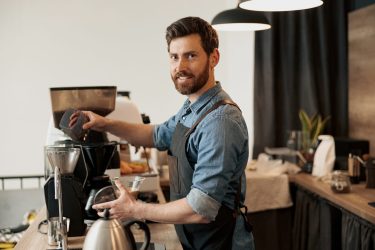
column 175, row 212
column 135, row 134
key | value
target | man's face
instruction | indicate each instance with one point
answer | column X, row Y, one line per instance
column 189, row 64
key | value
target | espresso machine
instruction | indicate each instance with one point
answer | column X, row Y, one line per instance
column 96, row 153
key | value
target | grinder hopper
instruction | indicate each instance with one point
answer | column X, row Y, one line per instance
column 99, row 99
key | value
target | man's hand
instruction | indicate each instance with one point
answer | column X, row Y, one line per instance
column 122, row 207
column 95, row 121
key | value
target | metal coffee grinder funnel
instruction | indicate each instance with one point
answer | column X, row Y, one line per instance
column 63, row 160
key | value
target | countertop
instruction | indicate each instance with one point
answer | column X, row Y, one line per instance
column 163, row 234
column 356, row 201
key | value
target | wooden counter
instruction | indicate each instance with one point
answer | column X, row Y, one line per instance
column 163, row 234
column 355, row 202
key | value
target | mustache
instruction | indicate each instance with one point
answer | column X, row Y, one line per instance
column 182, row 74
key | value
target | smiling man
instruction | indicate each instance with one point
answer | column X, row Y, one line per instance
column 207, row 143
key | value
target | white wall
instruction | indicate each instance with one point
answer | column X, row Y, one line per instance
column 59, row 43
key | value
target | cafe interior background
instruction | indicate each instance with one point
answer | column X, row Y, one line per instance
column 301, row 62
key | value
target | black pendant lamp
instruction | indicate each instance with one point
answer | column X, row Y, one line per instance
column 240, row 20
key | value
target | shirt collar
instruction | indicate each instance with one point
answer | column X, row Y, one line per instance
column 204, row 98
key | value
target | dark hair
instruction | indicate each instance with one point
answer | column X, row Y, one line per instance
column 194, row 25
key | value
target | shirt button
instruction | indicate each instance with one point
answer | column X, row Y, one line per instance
column 183, row 118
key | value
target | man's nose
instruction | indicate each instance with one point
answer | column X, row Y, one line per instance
column 181, row 65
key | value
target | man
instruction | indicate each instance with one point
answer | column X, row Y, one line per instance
column 207, row 142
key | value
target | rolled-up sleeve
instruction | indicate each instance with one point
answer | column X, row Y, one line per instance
column 203, row 204
column 162, row 134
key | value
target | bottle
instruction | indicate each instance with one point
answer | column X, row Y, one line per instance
column 292, row 145
column 291, row 142
column 353, row 169
column 370, row 173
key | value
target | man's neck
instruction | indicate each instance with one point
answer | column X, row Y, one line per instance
column 193, row 97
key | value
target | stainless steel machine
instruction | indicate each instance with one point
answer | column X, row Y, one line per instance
column 62, row 162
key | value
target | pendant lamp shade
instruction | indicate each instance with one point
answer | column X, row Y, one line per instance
column 240, row 20
column 279, row 5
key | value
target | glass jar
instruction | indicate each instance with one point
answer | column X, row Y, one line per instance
column 340, row 182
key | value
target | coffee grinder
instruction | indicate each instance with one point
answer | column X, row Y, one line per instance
column 96, row 153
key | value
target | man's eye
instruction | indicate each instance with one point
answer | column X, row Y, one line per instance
column 173, row 57
column 191, row 56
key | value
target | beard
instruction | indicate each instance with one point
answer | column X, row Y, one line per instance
column 193, row 83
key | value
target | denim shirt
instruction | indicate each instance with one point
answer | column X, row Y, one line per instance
column 217, row 150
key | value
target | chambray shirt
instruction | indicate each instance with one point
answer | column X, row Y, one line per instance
column 218, row 151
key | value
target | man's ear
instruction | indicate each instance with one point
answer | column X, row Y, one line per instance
column 214, row 58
